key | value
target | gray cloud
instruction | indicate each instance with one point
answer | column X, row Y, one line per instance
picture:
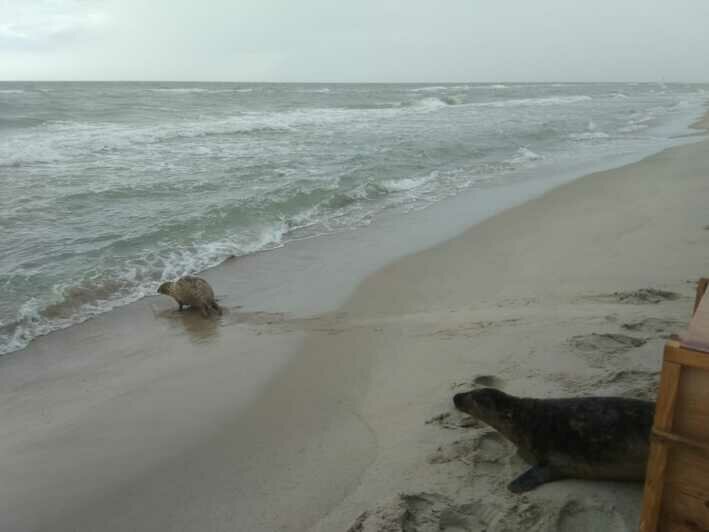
column 44, row 24
column 367, row 40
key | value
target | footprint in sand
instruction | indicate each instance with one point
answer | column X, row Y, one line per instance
column 471, row 329
column 485, row 454
column 605, row 343
column 434, row 512
column 643, row 296
column 575, row 516
column 420, row 512
column 656, row 327
column 599, row 349
column 633, row 384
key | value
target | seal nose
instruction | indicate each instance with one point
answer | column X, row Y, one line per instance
column 458, row 399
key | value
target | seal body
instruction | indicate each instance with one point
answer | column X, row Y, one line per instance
column 587, row 437
column 193, row 292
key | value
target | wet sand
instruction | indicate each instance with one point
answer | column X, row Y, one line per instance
column 150, row 419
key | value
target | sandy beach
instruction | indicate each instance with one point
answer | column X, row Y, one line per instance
column 342, row 420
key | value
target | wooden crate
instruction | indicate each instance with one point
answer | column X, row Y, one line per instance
column 676, row 496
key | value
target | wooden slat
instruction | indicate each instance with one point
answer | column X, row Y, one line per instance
column 686, row 489
column 669, row 381
column 691, row 419
column 670, row 525
column 687, row 357
column 684, row 508
column 688, row 470
column 657, row 460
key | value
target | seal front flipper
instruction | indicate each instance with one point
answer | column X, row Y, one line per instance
column 534, row 477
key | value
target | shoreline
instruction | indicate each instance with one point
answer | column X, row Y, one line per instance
column 322, row 438
column 460, row 211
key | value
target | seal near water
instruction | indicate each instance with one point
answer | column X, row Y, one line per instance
column 192, row 291
column 586, row 437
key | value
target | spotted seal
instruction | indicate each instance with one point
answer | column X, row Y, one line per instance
column 587, row 437
column 192, row 291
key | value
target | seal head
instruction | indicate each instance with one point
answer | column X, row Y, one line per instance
column 494, row 407
column 166, row 288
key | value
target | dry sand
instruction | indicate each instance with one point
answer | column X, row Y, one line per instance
column 142, row 427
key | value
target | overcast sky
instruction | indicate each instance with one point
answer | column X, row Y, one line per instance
column 355, row 40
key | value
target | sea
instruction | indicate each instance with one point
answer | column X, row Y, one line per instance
column 108, row 189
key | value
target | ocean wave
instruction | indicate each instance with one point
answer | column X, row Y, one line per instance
column 408, row 183
column 181, row 90
column 520, row 102
column 633, row 127
column 434, row 88
column 488, row 86
column 524, row 155
column 454, row 99
column 589, row 135
column 373, row 106
column 324, row 90
column 63, row 140
column 12, row 91
column 430, row 104
column 200, row 90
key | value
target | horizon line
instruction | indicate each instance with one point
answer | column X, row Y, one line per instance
column 662, row 81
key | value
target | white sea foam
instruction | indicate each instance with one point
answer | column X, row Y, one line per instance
column 11, row 91
column 633, row 127
column 324, row 90
column 489, row 86
column 589, row 135
column 181, row 90
column 545, row 101
column 524, row 155
column 430, row 104
column 410, row 183
column 436, row 88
